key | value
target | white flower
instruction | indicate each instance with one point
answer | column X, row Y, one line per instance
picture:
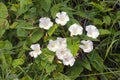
column 75, row 29
column 36, row 50
column 45, row 23
column 68, row 60
column 62, row 18
column 87, row 46
column 53, row 45
column 92, row 31
column 61, row 52
column 62, row 42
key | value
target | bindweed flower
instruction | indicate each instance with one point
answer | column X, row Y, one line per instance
column 53, row 45
column 62, row 42
column 61, row 52
column 86, row 45
column 36, row 50
column 68, row 60
column 92, row 31
column 75, row 29
column 59, row 46
column 62, row 18
column 45, row 23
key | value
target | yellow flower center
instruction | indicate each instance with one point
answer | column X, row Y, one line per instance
column 62, row 19
column 53, row 45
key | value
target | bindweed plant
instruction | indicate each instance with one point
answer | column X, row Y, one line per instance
column 59, row 40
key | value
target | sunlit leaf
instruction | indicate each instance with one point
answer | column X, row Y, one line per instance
column 4, row 25
column 73, row 45
column 26, row 78
column 3, row 10
column 104, row 32
column 52, row 29
column 7, row 45
column 17, row 62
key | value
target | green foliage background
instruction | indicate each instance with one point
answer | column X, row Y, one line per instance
column 19, row 29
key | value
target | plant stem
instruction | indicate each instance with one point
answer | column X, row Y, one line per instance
column 115, row 4
column 96, row 74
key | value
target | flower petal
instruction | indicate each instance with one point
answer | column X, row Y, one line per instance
column 45, row 23
column 87, row 46
column 35, row 46
column 75, row 29
column 92, row 31
column 62, row 18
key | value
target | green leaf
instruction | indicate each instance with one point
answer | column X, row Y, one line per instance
column 7, row 45
column 31, row 14
column 25, row 25
column 96, row 61
column 26, row 78
column 85, row 37
column 14, row 7
column 3, row 11
column 108, row 49
column 97, row 21
column 14, row 25
column 37, row 35
column 2, row 43
column 23, row 3
column 22, row 33
column 4, row 25
column 17, row 62
column 52, row 29
column 85, row 63
column 92, row 78
column 74, row 71
column 60, row 76
column 50, row 68
column 24, row 6
column 98, row 6
column 118, row 15
column 104, row 32
column 73, row 45
column 81, row 14
column 48, row 55
column 107, row 20
column 54, row 10
column 46, row 4
column 60, row 67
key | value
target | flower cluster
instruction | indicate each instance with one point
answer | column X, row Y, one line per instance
column 59, row 46
column 62, row 52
